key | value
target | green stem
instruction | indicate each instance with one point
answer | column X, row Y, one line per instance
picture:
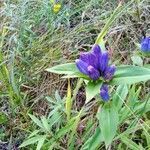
column 118, row 11
column 108, row 24
column 79, row 83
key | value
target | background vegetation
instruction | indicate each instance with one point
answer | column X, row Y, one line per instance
column 33, row 38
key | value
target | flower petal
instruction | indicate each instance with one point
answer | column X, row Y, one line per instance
column 96, row 50
column 145, row 44
column 104, row 92
column 88, row 57
column 103, row 62
column 109, row 72
column 82, row 66
column 93, row 73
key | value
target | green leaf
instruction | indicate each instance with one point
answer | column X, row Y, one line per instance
column 133, row 96
column 41, row 142
column 45, row 123
column 74, row 128
column 147, row 137
column 120, row 96
column 130, row 144
column 92, row 89
column 57, row 96
column 66, row 128
column 36, row 120
column 137, row 60
column 108, row 121
column 30, row 141
column 147, row 66
column 68, row 101
column 34, row 133
column 142, row 107
column 77, row 75
column 93, row 142
column 69, row 68
column 54, row 117
column 3, row 118
column 130, row 75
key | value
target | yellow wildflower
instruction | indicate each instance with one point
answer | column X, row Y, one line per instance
column 56, row 6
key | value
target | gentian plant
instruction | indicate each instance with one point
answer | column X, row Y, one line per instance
column 94, row 67
column 95, row 64
column 95, row 70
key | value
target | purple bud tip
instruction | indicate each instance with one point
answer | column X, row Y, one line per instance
column 82, row 66
column 109, row 72
column 104, row 92
column 103, row 63
column 93, row 73
column 145, row 44
column 96, row 49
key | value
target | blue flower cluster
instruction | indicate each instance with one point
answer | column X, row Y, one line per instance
column 95, row 65
column 145, row 44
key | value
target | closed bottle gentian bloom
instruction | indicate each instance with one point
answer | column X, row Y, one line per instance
column 109, row 72
column 145, row 44
column 95, row 65
column 104, row 92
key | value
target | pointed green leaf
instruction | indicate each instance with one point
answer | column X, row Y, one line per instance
column 69, row 68
column 92, row 89
column 45, row 123
column 130, row 75
column 120, row 96
column 36, row 120
column 33, row 133
column 137, row 60
column 30, row 141
column 108, row 121
column 41, row 142
column 94, row 141
column 130, row 144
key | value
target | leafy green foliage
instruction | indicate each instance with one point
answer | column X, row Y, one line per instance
column 130, row 144
column 3, row 118
column 120, row 96
column 92, row 89
column 137, row 60
column 131, row 75
column 108, row 120
column 68, row 68
column 94, row 141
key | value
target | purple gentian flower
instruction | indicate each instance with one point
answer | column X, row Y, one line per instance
column 145, row 44
column 95, row 65
column 104, row 92
column 88, row 63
